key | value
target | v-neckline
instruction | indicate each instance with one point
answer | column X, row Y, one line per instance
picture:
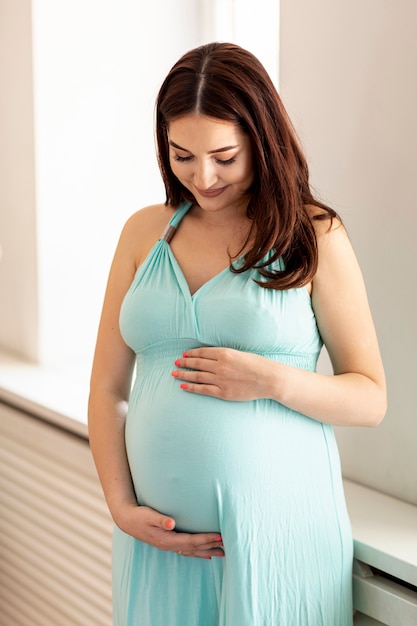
column 166, row 237
column 183, row 281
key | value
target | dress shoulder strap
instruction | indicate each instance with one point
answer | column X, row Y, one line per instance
column 172, row 225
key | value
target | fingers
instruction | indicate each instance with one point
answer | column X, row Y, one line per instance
column 207, row 359
column 157, row 529
column 209, row 353
column 156, row 519
column 224, row 373
column 196, row 545
column 203, row 554
column 206, row 540
column 202, row 390
column 168, row 523
column 199, row 374
column 200, row 545
column 199, row 366
column 197, row 363
column 195, row 376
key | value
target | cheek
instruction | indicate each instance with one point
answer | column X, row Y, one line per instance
column 246, row 167
column 246, row 175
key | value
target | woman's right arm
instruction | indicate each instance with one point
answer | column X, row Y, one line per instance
column 110, row 385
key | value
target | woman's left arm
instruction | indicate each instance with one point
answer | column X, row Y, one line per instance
column 355, row 395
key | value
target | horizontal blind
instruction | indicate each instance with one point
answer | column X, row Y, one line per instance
column 55, row 530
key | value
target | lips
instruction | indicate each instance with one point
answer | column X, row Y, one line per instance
column 211, row 193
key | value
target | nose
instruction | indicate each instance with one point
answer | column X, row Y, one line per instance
column 204, row 175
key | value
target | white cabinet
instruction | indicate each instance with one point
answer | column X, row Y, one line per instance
column 363, row 620
column 385, row 568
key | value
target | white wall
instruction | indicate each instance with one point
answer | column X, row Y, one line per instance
column 238, row 22
column 348, row 77
column 98, row 66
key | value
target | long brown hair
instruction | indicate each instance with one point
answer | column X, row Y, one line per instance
column 224, row 81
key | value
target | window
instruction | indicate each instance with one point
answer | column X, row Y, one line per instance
column 79, row 155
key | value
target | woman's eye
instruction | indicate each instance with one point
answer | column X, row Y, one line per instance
column 186, row 159
column 181, row 159
column 227, row 162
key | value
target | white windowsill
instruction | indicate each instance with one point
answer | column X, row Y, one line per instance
column 384, row 528
column 46, row 393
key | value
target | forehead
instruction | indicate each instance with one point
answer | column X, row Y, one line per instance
column 193, row 129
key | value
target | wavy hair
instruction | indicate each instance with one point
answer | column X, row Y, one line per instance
column 226, row 82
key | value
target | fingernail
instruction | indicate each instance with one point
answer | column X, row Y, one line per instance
column 177, row 363
column 219, row 539
column 183, row 385
column 208, row 558
column 174, row 374
column 184, row 354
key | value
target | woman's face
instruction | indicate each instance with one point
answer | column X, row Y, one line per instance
column 213, row 159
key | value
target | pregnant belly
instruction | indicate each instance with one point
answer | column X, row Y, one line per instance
column 189, row 454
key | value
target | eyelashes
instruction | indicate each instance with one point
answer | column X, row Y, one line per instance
column 187, row 159
column 181, row 159
column 227, row 161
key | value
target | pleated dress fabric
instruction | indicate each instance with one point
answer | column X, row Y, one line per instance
column 264, row 476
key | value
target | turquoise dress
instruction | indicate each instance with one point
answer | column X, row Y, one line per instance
column 266, row 477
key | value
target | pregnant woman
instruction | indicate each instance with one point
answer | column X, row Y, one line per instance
column 210, row 428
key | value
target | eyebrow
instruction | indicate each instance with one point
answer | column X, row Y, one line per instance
column 224, row 149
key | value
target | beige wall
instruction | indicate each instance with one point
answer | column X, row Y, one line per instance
column 18, row 258
column 348, row 76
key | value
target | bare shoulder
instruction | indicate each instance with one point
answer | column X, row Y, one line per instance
column 143, row 229
column 323, row 222
column 332, row 238
column 338, row 268
column 149, row 218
